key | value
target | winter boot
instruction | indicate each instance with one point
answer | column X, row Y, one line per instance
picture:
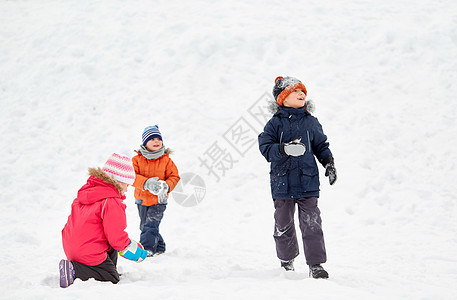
column 317, row 271
column 151, row 254
column 67, row 273
column 288, row 265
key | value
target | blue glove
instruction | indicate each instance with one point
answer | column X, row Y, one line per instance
column 134, row 251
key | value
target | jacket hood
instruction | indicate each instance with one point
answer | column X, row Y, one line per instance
column 99, row 186
column 273, row 106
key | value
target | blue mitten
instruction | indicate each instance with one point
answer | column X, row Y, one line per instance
column 134, row 251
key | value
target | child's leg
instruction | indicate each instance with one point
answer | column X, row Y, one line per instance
column 106, row 271
column 142, row 212
column 311, row 229
column 284, row 234
column 161, row 246
column 113, row 255
column 150, row 237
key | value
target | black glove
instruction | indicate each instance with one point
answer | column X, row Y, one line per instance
column 330, row 172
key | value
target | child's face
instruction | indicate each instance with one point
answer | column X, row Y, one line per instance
column 296, row 99
column 124, row 186
column 154, row 144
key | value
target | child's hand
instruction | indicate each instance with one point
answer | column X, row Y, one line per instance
column 153, row 185
column 163, row 194
column 330, row 172
column 134, row 251
column 157, row 187
column 293, row 148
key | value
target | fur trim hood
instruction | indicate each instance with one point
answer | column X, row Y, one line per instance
column 273, row 106
column 99, row 173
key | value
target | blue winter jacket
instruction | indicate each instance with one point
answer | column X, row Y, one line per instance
column 294, row 177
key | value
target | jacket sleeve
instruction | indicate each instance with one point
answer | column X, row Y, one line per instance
column 139, row 179
column 114, row 223
column 320, row 145
column 269, row 142
column 171, row 175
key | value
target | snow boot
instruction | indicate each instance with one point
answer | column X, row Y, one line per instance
column 151, row 254
column 67, row 273
column 317, row 271
column 288, row 265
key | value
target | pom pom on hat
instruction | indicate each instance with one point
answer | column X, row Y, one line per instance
column 284, row 86
column 151, row 132
column 120, row 167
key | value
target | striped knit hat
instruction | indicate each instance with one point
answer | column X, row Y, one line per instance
column 284, row 86
column 120, row 167
column 151, row 132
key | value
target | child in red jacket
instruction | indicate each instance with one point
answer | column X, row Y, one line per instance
column 95, row 230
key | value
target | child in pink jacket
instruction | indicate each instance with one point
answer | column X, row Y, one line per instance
column 95, row 230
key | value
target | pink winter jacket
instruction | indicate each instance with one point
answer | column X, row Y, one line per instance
column 96, row 223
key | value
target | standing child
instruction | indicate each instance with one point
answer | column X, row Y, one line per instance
column 156, row 176
column 290, row 141
column 95, row 230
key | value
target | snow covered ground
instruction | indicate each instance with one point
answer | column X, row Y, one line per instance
column 79, row 79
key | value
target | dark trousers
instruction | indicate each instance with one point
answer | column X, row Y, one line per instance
column 150, row 218
column 106, row 271
column 310, row 226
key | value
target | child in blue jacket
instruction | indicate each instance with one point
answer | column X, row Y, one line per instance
column 290, row 141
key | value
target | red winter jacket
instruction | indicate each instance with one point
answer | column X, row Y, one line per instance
column 97, row 221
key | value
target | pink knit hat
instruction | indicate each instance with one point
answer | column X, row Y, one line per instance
column 120, row 167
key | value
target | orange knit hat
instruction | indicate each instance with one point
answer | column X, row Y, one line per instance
column 284, row 86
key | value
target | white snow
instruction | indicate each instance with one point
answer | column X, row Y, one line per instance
column 79, row 79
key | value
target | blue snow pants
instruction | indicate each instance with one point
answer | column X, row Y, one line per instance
column 309, row 217
column 150, row 218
